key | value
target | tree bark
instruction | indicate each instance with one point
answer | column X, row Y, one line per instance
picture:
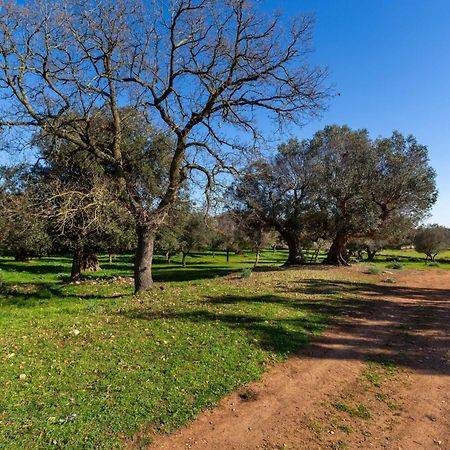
column 143, row 259
column 337, row 254
column 183, row 258
column 76, row 264
column 110, row 258
column 21, row 257
column 296, row 255
column 228, row 255
column 89, row 262
column 258, row 254
column 371, row 255
column 168, row 257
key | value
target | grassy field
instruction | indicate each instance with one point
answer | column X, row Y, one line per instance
column 88, row 365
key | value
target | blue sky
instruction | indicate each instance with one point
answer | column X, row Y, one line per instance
column 390, row 61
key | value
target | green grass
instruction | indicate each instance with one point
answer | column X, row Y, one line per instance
column 101, row 365
column 405, row 259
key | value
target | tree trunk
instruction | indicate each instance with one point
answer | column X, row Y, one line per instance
column 183, row 258
column 143, row 259
column 296, row 255
column 337, row 254
column 228, row 255
column 258, row 254
column 76, row 264
column 21, row 257
column 371, row 255
column 274, row 247
column 168, row 257
column 314, row 256
column 89, row 262
column 110, row 258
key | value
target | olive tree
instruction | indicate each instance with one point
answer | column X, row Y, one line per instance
column 431, row 240
column 282, row 192
column 367, row 184
column 195, row 67
column 23, row 226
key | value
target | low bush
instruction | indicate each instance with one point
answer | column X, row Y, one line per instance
column 395, row 265
column 246, row 272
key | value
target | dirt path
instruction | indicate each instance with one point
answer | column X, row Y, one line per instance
column 379, row 379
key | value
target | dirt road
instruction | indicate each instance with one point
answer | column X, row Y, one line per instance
column 379, row 379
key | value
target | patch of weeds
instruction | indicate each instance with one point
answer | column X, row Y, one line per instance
column 360, row 411
column 433, row 264
column 389, row 280
column 246, row 272
column 380, row 397
column 374, row 271
column 339, row 445
column 248, row 395
column 374, row 378
column 144, row 442
column 347, row 429
column 315, row 426
column 389, row 366
column 395, row 265
column 392, row 406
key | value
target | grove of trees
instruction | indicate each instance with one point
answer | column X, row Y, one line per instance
column 132, row 107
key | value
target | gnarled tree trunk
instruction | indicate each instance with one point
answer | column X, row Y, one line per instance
column 143, row 259
column 337, row 254
column 21, row 257
column 296, row 255
column 89, row 262
column 371, row 254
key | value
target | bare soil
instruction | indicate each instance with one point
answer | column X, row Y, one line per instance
column 379, row 379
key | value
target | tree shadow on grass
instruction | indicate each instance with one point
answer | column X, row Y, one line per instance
column 370, row 324
column 33, row 268
column 190, row 273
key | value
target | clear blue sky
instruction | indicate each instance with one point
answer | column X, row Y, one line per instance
column 390, row 61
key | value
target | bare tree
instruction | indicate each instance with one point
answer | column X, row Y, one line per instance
column 195, row 67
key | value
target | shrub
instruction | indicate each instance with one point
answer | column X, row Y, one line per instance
column 433, row 264
column 395, row 265
column 374, row 271
column 246, row 272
